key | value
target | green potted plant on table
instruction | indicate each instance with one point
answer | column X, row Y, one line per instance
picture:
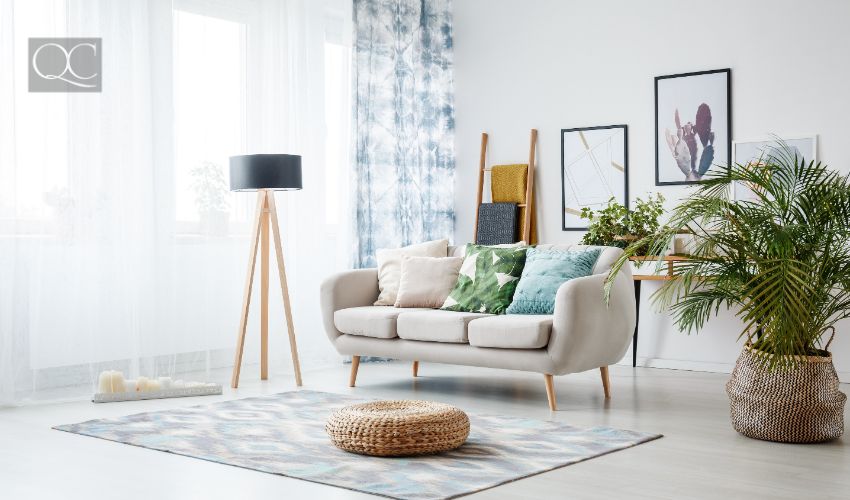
column 616, row 226
column 781, row 260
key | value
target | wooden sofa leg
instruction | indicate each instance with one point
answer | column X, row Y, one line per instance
column 550, row 391
column 416, row 368
column 606, row 385
column 355, row 364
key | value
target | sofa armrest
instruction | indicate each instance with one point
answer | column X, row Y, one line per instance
column 355, row 288
column 586, row 332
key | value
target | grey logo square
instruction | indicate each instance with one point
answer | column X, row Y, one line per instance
column 65, row 65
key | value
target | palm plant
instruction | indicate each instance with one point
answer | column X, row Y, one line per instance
column 781, row 259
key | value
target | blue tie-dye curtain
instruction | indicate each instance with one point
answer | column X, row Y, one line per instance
column 403, row 124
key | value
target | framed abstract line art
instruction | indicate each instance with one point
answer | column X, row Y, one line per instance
column 594, row 169
column 693, row 125
column 753, row 152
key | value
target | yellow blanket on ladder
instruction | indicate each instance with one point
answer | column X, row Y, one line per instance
column 507, row 185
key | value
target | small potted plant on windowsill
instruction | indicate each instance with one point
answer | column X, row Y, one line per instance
column 616, row 226
column 211, row 198
column 781, row 260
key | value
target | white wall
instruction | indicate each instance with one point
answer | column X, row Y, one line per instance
column 553, row 64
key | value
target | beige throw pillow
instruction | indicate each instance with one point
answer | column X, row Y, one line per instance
column 389, row 266
column 426, row 281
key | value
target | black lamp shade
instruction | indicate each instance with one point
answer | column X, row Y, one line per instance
column 265, row 171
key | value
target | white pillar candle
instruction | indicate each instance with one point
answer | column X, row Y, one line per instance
column 142, row 384
column 130, row 386
column 110, row 381
column 104, row 382
column 117, row 380
column 164, row 383
column 153, row 385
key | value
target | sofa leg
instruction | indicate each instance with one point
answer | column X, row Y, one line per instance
column 606, row 385
column 416, row 368
column 550, row 391
column 355, row 364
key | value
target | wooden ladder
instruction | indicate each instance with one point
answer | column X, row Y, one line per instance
column 528, row 203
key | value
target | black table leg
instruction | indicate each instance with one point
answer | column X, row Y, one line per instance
column 637, row 322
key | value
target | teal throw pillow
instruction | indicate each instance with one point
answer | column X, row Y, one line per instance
column 545, row 271
column 487, row 279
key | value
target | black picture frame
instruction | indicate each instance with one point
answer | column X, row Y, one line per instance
column 624, row 201
column 728, row 138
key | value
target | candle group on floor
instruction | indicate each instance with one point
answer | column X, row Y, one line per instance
column 113, row 382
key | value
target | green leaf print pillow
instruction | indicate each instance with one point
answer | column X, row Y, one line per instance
column 487, row 279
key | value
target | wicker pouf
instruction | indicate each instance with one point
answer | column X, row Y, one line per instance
column 398, row 428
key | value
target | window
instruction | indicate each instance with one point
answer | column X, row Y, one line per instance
column 209, row 118
column 337, row 127
column 35, row 188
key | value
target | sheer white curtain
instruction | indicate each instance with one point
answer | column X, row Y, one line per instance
column 120, row 246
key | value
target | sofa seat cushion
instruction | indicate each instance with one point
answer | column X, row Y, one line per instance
column 527, row 331
column 369, row 321
column 436, row 325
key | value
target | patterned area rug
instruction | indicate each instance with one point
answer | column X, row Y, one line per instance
column 284, row 434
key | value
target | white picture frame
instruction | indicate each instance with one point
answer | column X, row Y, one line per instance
column 745, row 151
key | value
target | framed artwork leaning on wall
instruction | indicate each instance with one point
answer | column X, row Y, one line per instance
column 594, row 169
column 693, row 125
column 752, row 152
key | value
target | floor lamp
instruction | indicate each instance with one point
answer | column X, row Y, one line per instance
column 265, row 173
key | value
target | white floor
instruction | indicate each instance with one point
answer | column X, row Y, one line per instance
column 699, row 457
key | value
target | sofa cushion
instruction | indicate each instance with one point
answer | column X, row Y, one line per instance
column 487, row 279
column 368, row 321
column 607, row 257
column 436, row 325
column 527, row 331
column 389, row 266
column 544, row 272
column 426, row 281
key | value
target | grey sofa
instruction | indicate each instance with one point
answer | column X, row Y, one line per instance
column 584, row 333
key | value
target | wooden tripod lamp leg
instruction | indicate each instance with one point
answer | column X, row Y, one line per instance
column 249, row 282
column 284, row 288
column 264, row 290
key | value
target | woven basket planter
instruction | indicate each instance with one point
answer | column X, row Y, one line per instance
column 398, row 428
column 796, row 405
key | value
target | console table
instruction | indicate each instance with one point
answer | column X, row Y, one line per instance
column 640, row 278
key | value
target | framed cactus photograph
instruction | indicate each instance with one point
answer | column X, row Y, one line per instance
column 693, row 125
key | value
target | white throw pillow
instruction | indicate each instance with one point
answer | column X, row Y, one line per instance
column 389, row 266
column 426, row 281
